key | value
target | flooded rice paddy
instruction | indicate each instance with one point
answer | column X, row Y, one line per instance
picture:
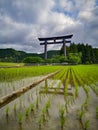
column 42, row 106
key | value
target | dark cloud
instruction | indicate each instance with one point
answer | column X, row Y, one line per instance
column 23, row 21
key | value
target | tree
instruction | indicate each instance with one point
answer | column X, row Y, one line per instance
column 55, row 59
column 74, row 58
column 88, row 54
column 58, row 59
column 73, row 48
column 33, row 60
column 95, row 51
column 81, row 48
column 62, row 50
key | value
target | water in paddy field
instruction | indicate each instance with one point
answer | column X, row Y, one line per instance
column 38, row 96
column 8, row 87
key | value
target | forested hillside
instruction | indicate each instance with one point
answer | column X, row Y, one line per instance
column 87, row 54
column 12, row 55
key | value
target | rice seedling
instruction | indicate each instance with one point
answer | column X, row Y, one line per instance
column 60, row 75
column 27, row 111
column 40, row 121
column 37, row 102
column 97, row 112
column 66, row 105
column 20, row 103
column 45, row 110
column 62, row 116
column 85, row 104
column 32, row 107
column 44, row 114
column 20, row 118
column 46, row 86
column 40, row 98
column 18, row 73
column 86, row 124
column 66, row 108
column 7, row 111
column 47, row 106
column 75, row 84
column 86, row 90
column 72, row 101
column 46, row 89
column 66, row 89
column 81, row 113
column 15, row 107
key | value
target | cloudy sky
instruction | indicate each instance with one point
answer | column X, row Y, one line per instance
column 23, row 21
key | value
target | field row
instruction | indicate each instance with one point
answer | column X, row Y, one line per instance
column 68, row 100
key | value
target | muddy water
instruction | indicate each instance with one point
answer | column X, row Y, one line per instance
column 52, row 120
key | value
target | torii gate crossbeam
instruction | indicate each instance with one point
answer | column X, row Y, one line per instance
column 55, row 40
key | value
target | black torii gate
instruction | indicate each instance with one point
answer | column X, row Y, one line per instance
column 55, row 40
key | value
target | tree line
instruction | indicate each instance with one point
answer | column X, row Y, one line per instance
column 86, row 52
column 76, row 54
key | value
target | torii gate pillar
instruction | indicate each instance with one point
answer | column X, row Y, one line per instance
column 45, row 50
column 55, row 40
column 64, row 47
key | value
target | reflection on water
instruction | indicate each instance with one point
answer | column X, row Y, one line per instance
column 8, row 87
column 39, row 95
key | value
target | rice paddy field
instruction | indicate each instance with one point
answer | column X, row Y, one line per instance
column 66, row 101
column 6, row 64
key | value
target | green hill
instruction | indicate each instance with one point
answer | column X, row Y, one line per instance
column 12, row 55
column 88, row 54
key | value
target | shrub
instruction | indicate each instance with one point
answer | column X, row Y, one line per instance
column 33, row 60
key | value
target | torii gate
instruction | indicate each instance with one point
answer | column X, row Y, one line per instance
column 55, row 40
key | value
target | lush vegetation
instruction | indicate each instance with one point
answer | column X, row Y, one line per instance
column 87, row 54
column 14, row 73
column 69, row 96
column 11, row 55
column 33, row 60
column 76, row 53
column 9, row 64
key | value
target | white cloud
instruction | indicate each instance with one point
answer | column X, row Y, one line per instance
column 85, row 4
column 64, row 5
column 23, row 21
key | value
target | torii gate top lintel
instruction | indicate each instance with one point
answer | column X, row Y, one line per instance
column 55, row 40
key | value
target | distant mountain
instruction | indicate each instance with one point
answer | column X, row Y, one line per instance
column 12, row 55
